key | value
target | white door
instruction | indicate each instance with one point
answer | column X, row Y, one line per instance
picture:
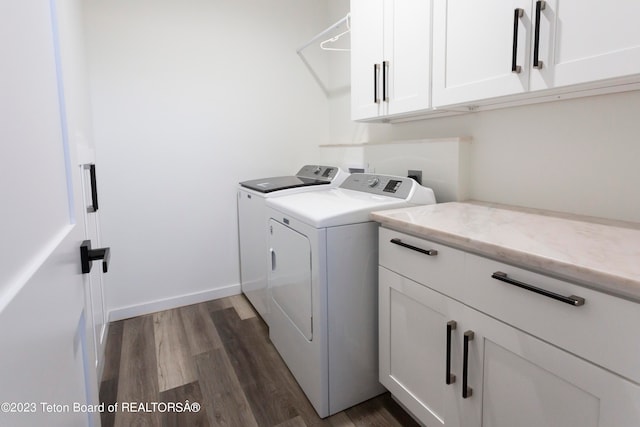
column 44, row 362
column 366, row 58
column 390, row 59
column 414, row 335
column 584, row 41
column 290, row 275
column 78, row 122
column 522, row 381
column 473, row 49
column 94, row 281
column 407, row 52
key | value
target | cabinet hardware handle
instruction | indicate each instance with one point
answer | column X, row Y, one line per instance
column 385, row 81
column 540, row 5
column 430, row 252
column 376, row 74
column 515, row 68
column 88, row 255
column 571, row 300
column 450, row 378
column 273, row 259
column 466, row 390
column 94, row 188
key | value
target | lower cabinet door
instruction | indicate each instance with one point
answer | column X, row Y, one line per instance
column 529, row 383
column 413, row 348
column 511, row 378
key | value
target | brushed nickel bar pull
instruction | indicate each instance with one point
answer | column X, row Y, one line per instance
column 466, row 390
column 571, row 300
column 517, row 14
column 540, row 5
column 429, row 252
column 450, row 378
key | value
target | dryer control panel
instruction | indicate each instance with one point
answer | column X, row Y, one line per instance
column 383, row 185
column 323, row 173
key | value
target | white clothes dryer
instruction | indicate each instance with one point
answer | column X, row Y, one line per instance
column 323, row 281
column 252, row 225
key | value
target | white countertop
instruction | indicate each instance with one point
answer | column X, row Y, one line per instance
column 603, row 255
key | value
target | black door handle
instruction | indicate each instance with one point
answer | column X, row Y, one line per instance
column 430, row 252
column 88, row 255
column 376, row 77
column 94, row 188
column 466, row 390
column 450, row 378
column 517, row 14
column 385, row 82
column 540, row 5
column 573, row 300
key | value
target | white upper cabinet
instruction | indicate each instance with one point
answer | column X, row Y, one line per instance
column 474, row 49
column 414, row 57
column 408, row 54
column 367, row 43
column 493, row 48
column 390, row 57
column 585, row 41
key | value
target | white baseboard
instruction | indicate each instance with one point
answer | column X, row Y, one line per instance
column 173, row 302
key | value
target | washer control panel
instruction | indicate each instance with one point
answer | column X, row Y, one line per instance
column 383, row 185
column 324, row 173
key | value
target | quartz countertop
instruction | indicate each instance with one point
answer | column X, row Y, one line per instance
column 601, row 254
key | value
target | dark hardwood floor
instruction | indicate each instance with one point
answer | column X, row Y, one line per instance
column 216, row 354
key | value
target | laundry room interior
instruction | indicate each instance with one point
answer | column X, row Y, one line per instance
column 188, row 99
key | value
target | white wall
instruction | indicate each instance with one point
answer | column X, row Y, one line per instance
column 190, row 97
column 580, row 156
column 444, row 162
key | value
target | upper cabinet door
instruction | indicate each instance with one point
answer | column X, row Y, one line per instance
column 585, row 41
column 367, row 41
column 481, row 49
column 390, row 57
column 407, row 55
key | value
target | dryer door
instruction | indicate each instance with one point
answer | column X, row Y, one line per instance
column 290, row 275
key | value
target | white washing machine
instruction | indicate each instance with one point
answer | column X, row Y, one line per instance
column 252, row 224
column 323, row 281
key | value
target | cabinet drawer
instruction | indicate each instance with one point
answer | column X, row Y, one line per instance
column 408, row 257
column 604, row 329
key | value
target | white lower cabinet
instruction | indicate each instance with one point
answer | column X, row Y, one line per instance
column 413, row 348
column 526, row 382
column 512, row 378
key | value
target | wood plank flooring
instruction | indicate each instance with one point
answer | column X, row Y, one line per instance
column 217, row 354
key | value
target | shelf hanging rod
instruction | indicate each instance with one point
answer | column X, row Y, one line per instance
column 323, row 33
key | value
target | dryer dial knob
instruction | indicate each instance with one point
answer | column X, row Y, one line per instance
column 373, row 181
column 317, row 170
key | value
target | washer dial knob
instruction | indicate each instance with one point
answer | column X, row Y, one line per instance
column 372, row 182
